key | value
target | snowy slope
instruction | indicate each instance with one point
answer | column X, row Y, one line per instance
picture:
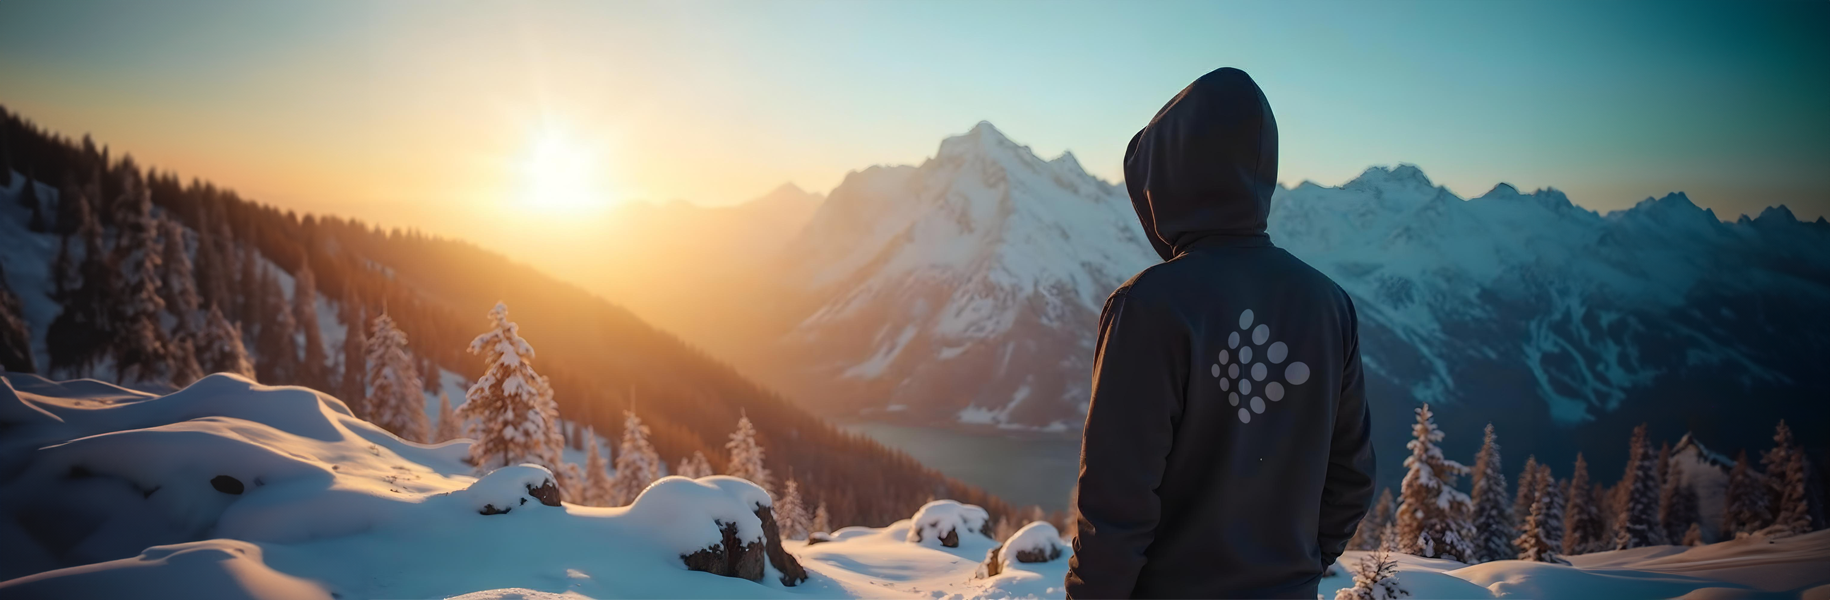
column 108, row 492
column 965, row 290
column 960, row 288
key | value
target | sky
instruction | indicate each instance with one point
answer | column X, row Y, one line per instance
column 469, row 119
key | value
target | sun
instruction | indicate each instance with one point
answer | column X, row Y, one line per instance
column 561, row 175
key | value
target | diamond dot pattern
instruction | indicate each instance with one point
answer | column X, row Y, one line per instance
column 1249, row 357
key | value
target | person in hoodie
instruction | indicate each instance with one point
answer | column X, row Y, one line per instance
column 1227, row 450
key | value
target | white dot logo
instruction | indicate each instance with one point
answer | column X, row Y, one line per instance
column 1241, row 370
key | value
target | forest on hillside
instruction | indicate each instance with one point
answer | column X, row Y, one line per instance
column 156, row 279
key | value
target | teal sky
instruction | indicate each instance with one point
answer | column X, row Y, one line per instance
column 387, row 110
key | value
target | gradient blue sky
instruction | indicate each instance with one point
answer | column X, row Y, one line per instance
column 401, row 111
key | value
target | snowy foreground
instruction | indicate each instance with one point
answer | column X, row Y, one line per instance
column 229, row 489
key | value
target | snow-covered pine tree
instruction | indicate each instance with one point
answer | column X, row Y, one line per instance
column 1521, row 504
column 1375, row 577
column 1535, row 543
column 1677, row 506
column 276, row 345
column 1745, row 508
column 695, row 466
column 180, row 281
column 791, row 512
column 1004, row 528
column 512, row 406
column 1492, row 517
column 1371, row 531
column 219, row 346
column 15, row 337
column 394, row 400
column 1636, row 520
column 597, row 485
column 450, row 427
column 637, row 463
column 140, row 346
column 1663, row 469
column 1553, row 516
column 305, row 316
column 822, row 520
column 1583, row 530
column 1432, row 516
column 1773, row 464
column 1793, row 516
column 355, row 347
column 85, row 284
column 747, row 455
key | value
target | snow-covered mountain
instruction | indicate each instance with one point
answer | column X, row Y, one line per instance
column 962, row 289
column 966, row 290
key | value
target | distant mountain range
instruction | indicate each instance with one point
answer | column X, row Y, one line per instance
column 964, row 292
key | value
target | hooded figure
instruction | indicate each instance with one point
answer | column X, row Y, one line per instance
column 1227, row 450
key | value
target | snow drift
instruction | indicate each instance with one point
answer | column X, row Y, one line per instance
column 231, row 489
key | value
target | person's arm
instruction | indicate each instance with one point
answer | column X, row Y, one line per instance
column 1138, row 378
column 1349, row 487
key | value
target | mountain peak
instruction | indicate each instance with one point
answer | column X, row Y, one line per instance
column 983, row 137
column 1404, row 175
column 1068, row 161
column 1776, row 214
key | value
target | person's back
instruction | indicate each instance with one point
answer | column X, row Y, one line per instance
column 1227, row 450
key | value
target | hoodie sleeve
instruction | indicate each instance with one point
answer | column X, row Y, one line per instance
column 1137, row 397
column 1349, row 487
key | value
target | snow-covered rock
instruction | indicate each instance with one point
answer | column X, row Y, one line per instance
column 945, row 522
column 1035, row 543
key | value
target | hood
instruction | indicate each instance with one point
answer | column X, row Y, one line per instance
column 1206, row 165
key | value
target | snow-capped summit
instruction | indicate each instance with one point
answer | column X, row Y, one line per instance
column 959, row 286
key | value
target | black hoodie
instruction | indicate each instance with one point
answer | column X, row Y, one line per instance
column 1227, row 450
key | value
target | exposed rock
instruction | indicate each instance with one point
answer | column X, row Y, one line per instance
column 994, row 562
column 951, row 539
column 226, row 485
column 547, row 493
column 818, row 537
column 1038, row 555
column 792, row 572
column 730, row 557
column 490, row 509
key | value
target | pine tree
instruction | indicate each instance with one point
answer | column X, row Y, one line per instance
column 1432, row 517
column 276, row 348
column 355, row 347
column 1745, row 508
column 598, row 482
column 1553, row 514
column 1636, row 520
column 791, row 512
column 1371, row 531
column 1535, row 542
column 1677, row 506
column 1694, row 535
column 180, row 281
column 140, row 347
column 15, row 336
column 450, row 427
column 695, row 466
column 1521, row 504
column 1492, row 518
column 516, row 418
column 1793, row 516
column 1375, row 577
column 1583, row 529
column 394, row 400
column 305, row 314
column 747, row 455
column 637, row 463
column 822, row 520
column 219, row 348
